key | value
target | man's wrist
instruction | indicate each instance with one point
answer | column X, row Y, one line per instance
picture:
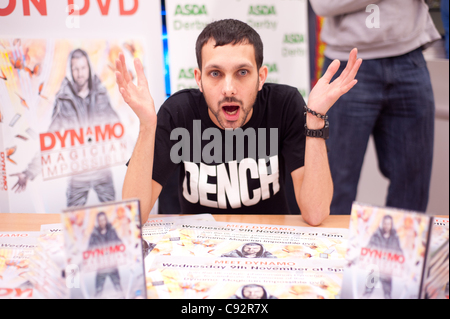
column 313, row 122
column 147, row 128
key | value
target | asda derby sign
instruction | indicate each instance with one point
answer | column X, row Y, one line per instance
column 185, row 17
column 262, row 10
column 191, row 10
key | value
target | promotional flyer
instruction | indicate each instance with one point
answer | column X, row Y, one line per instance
column 48, row 264
column 156, row 227
column 16, row 250
column 241, row 278
column 250, row 241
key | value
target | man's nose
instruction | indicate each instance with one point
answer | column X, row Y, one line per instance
column 229, row 87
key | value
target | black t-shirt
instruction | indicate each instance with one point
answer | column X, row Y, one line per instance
column 217, row 174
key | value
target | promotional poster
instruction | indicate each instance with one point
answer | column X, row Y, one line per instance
column 65, row 128
column 241, row 278
column 104, row 248
column 386, row 255
column 250, row 241
column 44, row 159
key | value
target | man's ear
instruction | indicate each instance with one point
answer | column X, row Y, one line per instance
column 263, row 72
column 198, row 78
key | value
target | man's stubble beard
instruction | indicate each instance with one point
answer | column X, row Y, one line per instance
column 244, row 111
column 79, row 88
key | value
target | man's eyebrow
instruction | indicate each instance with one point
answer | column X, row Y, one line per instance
column 245, row 66
column 240, row 66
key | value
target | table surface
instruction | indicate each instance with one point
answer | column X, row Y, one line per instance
column 33, row 222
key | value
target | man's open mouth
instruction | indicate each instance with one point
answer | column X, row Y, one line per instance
column 230, row 109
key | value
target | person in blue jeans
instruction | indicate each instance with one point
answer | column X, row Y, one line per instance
column 444, row 13
column 393, row 100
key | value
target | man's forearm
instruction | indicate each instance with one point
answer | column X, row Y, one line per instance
column 317, row 187
column 314, row 185
column 138, row 179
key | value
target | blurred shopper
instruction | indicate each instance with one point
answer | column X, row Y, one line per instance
column 444, row 13
column 393, row 99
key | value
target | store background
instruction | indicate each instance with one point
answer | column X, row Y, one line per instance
column 152, row 22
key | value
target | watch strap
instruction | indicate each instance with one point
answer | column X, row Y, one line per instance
column 322, row 133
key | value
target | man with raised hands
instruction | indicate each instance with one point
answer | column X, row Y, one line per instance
column 239, row 135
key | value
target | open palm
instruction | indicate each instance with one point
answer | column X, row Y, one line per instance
column 138, row 96
column 326, row 93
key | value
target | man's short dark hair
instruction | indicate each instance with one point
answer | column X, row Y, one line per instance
column 233, row 32
column 386, row 217
column 264, row 296
column 101, row 214
column 78, row 54
column 253, row 244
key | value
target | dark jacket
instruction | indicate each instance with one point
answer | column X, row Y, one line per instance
column 109, row 238
column 391, row 243
column 70, row 111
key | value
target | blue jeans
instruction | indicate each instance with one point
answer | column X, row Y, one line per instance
column 394, row 102
column 444, row 14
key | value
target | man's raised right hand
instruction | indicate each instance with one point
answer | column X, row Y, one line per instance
column 137, row 97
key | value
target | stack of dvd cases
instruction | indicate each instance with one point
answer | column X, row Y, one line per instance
column 16, row 250
column 47, row 264
column 436, row 281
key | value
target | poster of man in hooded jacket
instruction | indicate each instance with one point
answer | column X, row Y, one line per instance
column 65, row 125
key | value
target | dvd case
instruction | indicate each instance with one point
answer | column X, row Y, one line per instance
column 104, row 257
column 386, row 255
column 436, row 283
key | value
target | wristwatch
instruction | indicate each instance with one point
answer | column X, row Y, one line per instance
column 323, row 133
